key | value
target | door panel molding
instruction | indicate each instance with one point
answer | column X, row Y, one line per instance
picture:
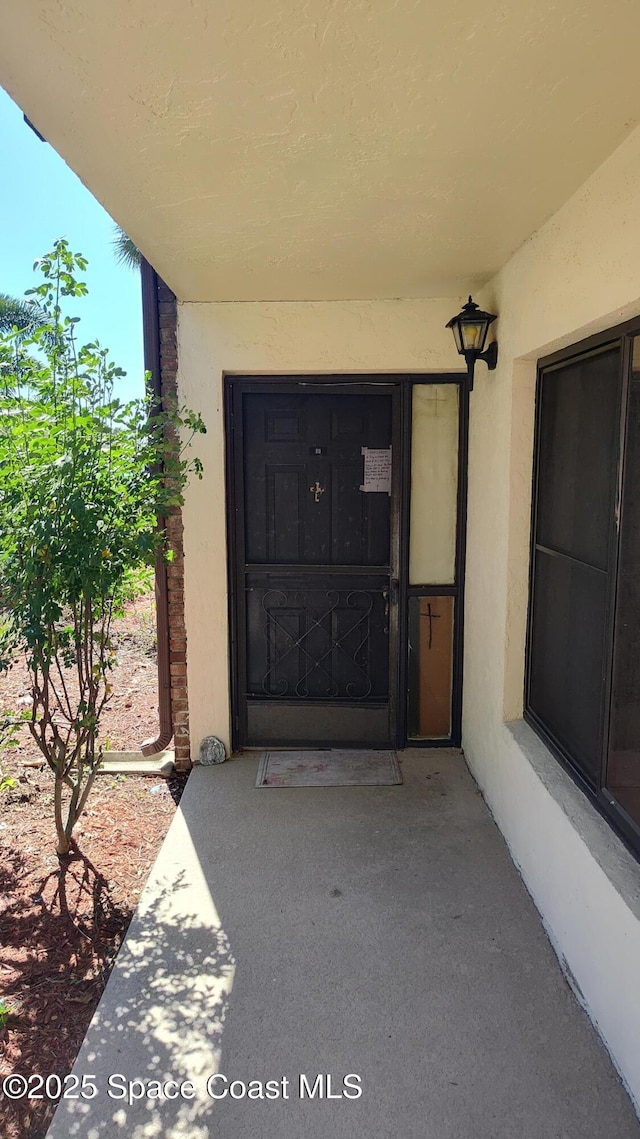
column 308, row 626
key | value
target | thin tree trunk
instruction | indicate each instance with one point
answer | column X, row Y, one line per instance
column 87, row 788
column 63, row 846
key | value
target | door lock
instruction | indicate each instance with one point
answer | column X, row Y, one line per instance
column 390, row 596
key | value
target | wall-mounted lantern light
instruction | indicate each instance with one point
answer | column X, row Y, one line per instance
column 470, row 328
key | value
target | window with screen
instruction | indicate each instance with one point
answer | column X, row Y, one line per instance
column 583, row 676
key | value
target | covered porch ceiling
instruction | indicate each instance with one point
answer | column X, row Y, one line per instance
column 333, row 149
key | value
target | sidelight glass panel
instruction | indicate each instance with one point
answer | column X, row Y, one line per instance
column 430, row 667
column 623, row 771
column 434, row 484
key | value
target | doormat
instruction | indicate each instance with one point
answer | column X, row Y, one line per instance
column 331, row 768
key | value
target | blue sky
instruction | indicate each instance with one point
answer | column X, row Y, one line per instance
column 42, row 199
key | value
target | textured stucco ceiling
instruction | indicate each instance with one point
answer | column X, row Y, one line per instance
column 327, row 148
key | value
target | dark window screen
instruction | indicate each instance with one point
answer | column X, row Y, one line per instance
column 577, row 455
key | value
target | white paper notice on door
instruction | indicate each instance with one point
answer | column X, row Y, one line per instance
column 377, row 470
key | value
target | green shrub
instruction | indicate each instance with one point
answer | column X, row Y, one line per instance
column 5, row 1012
column 83, row 478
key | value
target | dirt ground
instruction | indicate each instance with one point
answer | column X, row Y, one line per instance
column 62, row 921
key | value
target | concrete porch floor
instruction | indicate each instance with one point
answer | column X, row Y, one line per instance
column 377, row 931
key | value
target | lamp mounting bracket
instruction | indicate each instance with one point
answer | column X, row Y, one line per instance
column 490, row 357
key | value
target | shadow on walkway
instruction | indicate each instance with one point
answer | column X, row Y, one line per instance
column 377, row 932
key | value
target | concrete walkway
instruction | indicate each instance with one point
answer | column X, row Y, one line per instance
column 380, row 932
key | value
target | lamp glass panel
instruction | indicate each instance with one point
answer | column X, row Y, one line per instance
column 434, row 484
column 474, row 335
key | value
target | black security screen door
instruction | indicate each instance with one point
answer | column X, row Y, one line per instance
column 316, row 562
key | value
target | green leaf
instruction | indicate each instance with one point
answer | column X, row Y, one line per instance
column 83, row 477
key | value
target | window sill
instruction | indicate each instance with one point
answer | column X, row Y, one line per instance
column 607, row 850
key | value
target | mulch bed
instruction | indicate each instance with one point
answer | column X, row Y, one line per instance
column 62, row 920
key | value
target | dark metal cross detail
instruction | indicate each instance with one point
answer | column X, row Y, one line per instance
column 430, row 616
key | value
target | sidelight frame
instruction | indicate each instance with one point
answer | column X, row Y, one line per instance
column 433, row 589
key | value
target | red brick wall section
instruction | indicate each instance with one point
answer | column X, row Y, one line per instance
column 168, row 321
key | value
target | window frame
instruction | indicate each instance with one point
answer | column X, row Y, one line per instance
column 620, row 336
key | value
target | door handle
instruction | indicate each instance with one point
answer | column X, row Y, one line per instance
column 390, row 596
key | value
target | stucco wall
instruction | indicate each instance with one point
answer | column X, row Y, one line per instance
column 321, row 337
column 579, row 274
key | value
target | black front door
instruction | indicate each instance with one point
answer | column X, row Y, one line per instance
column 316, row 563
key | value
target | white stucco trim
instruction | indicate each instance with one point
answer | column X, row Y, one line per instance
column 579, row 275
column 582, row 879
column 214, row 340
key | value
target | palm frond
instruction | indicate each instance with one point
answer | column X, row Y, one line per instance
column 24, row 315
column 127, row 253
